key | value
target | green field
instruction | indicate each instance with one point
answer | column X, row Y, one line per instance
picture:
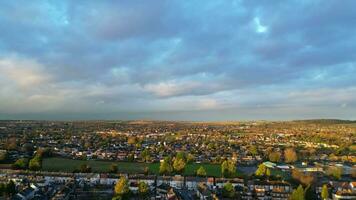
column 69, row 165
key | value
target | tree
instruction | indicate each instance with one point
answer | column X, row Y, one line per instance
column 3, row 156
column 179, row 165
column 325, row 192
column 190, row 158
column 35, row 163
column 267, row 151
column 145, row 155
column 268, row 172
column 2, row 189
column 298, row 194
column 353, row 172
column 253, row 150
column 146, row 170
column 261, row 170
column 334, row 171
column 305, row 179
column 228, row 190
column 290, row 155
column 28, row 148
column 85, row 168
column 165, row 167
column 122, row 187
column 201, row 171
column 180, row 155
column 117, row 198
column 228, row 168
column 11, row 144
column 143, row 189
column 274, row 156
column 10, row 188
column 113, row 169
column 44, row 152
column 132, row 140
column 21, row 163
column 310, row 193
column 130, row 157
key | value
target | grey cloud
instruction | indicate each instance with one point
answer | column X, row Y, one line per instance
column 129, row 50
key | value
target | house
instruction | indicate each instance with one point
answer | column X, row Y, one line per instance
column 280, row 194
column 340, row 186
column 344, row 195
column 65, row 192
column 353, row 186
column 134, row 187
column 204, row 193
column 162, row 191
column 278, row 190
column 270, row 164
column 26, row 194
column 346, row 170
column 309, row 168
column 220, row 182
column 244, row 192
column 284, row 167
column 185, row 194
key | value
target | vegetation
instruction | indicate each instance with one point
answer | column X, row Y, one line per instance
column 303, row 178
column 310, row 193
column 70, row 165
column 274, row 156
column 201, row 172
column 145, row 155
column 122, row 188
column 35, row 163
column 7, row 189
column 228, row 168
column 113, row 168
column 325, row 192
column 21, row 163
column 3, row 156
column 253, row 150
column 290, row 155
column 143, row 189
column 84, row 168
column 261, row 170
column 298, row 194
column 228, row 190
column 166, row 166
column 334, row 171
column 179, row 165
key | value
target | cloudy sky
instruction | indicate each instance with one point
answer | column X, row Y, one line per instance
column 178, row 60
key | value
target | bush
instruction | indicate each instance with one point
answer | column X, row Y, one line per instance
column 113, row 169
column 85, row 168
column 228, row 190
column 35, row 163
column 21, row 163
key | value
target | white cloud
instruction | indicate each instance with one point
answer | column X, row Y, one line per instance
column 208, row 104
column 259, row 27
column 25, row 73
column 172, row 88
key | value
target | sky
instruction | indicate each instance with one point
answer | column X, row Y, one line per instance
column 207, row 60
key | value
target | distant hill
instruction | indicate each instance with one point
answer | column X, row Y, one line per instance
column 327, row 121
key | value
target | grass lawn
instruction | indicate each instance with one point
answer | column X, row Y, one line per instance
column 279, row 173
column 69, row 165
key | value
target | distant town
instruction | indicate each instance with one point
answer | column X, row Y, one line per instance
column 311, row 159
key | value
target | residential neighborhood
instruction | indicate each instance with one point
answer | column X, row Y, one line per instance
column 178, row 160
